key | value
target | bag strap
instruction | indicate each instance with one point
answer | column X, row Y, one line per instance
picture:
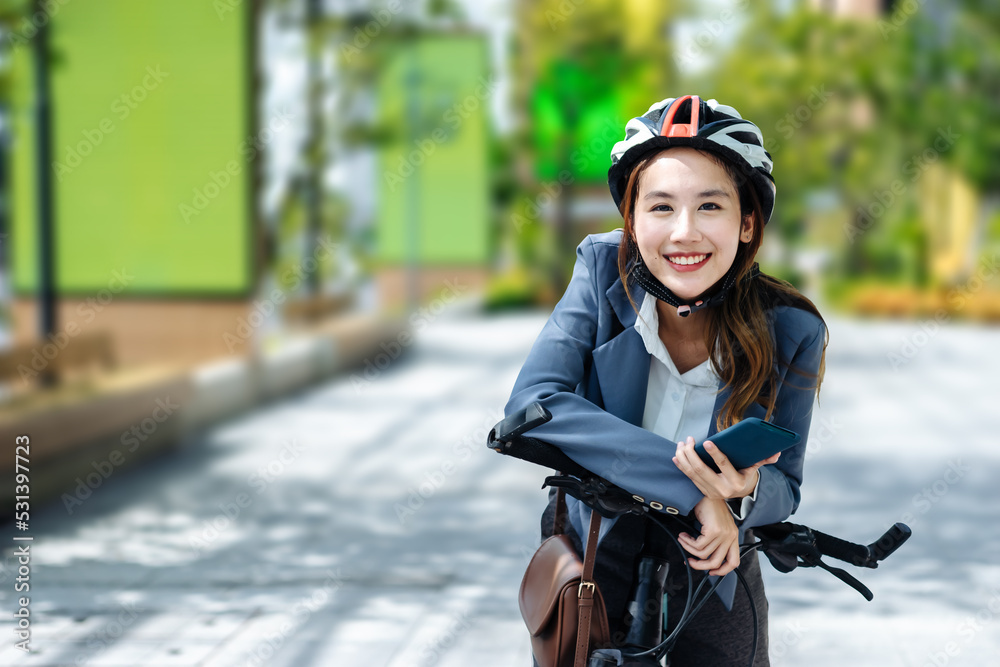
column 585, row 603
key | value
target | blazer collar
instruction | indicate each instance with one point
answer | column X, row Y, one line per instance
column 618, row 298
column 622, row 363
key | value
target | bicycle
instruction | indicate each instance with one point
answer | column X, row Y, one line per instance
column 786, row 545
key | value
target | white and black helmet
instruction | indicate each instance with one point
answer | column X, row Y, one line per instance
column 708, row 126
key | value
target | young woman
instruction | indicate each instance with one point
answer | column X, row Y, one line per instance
column 668, row 333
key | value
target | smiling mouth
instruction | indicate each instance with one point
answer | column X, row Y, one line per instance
column 688, row 260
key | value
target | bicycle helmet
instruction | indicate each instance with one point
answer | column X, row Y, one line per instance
column 708, row 126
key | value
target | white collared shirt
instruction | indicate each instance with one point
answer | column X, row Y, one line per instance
column 677, row 405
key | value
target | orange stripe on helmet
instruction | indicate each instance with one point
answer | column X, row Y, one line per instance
column 671, row 129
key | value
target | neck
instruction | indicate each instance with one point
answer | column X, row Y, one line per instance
column 691, row 327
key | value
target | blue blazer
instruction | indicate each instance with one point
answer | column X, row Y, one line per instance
column 590, row 369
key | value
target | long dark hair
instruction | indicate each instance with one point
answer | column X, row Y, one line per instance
column 737, row 332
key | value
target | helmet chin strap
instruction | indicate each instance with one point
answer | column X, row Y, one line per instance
column 684, row 308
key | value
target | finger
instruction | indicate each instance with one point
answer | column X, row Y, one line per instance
column 696, row 461
column 684, row 446
column 734, row 478
column 732, row 560
column 725, row 467
column 699, row 482
column 712, row 562
column 698, row 552
column 710, row 532
column 767, row 461
column 692, row 465
column 703, row 547
column 691, row 543
column 695, row 546
column 724, row 484
column 686, row 464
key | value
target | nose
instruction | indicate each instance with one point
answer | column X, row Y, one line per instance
column 685, row 228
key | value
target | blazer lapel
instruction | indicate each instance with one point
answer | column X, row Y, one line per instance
column 620, row 304
column 720, row 400
column 622, row 366
column 622, row 363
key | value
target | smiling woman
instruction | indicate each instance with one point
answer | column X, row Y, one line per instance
column 668, row 333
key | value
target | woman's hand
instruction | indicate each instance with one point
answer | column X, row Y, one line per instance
column 729, row 483
column 717, row 549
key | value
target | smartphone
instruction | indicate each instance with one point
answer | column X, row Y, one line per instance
column 748, row 441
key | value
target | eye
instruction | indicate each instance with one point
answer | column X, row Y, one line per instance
column 711, row 206
column 661, row 207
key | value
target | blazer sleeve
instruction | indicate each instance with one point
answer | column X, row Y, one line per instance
column 778, row 492
column 628, row 455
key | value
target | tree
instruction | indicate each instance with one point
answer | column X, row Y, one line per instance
column 860, row 109
column 582, row 70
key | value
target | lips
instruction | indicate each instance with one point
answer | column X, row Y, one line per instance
column 687, row 261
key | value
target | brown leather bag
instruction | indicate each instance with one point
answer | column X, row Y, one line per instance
column 560, row 603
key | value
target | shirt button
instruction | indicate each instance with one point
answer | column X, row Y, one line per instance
column 676, row 396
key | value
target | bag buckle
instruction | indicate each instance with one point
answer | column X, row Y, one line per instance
column 589, row 585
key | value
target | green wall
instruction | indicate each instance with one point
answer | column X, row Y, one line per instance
column 434, row 97
column 150, row 120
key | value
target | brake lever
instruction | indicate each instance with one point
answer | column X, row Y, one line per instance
column 846, row 578
column 798, row 548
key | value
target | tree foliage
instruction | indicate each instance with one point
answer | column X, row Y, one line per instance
column 860, row 109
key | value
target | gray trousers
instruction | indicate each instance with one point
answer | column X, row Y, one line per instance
column 717, row 637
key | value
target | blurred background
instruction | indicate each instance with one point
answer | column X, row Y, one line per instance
column 299, row 248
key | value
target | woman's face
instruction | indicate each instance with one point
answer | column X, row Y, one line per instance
column 687, row 221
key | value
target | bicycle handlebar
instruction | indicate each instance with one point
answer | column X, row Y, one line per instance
column 834, row 547
column 506, row 438
column 891, row 540
column 849, row 552
column 863, row 556
column 596, row 492
column 787, row 545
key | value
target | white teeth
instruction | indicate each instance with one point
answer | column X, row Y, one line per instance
column 693, row 259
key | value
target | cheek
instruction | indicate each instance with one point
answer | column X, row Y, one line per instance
column 726, row 239
column 731, row 245
column 647, row 235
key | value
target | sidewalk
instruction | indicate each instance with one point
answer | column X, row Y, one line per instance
column 364, row 523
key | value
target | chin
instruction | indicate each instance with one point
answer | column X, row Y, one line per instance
column 689, row 291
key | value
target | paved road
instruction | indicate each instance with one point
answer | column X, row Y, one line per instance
column 363, row 523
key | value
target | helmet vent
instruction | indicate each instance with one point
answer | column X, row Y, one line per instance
column 745, row 138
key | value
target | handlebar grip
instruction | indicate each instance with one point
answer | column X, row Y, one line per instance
column 541, row 453
column 507, row 437
column 890, row 541
column 834, row 547
column 519, row 422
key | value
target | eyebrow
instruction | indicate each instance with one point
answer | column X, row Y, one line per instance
column 655, row 194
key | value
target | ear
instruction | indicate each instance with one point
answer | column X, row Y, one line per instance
column 746, row 229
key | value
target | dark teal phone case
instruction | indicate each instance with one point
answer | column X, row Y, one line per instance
column 748, row 441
